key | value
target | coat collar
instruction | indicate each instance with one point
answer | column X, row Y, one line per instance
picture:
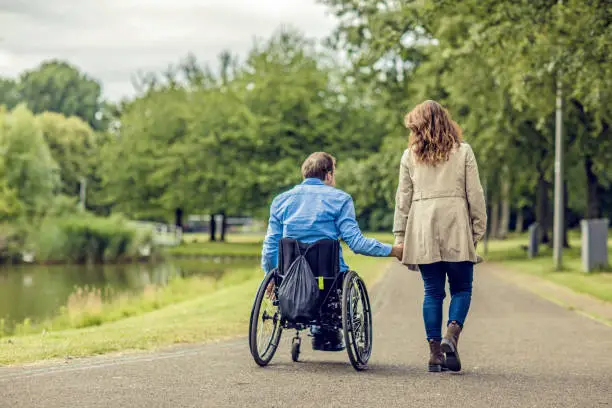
column 313, row 182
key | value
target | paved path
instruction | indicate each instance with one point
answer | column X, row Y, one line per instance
column 518, row 350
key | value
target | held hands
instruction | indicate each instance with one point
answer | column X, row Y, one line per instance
column 478, row 257
column 397, row 251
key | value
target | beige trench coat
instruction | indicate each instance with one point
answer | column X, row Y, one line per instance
column 440, row 212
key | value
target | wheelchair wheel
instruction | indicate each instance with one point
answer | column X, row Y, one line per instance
column 265, row 326
column 356, row 320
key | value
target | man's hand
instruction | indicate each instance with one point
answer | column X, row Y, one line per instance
column 397, row 251
column 270, row 290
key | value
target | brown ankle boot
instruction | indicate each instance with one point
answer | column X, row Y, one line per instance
column 449, row 346
column 436, row 357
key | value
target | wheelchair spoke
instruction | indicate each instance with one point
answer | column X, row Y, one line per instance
column 357, row 323
column 356, row 320
column 268, row 322
column 358, row 317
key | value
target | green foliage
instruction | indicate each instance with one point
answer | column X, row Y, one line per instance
column 29, row 169
column 496, row 65
column 206, row 310
column 72, row 143
column 9, row 202
column 9, row 93
column 43, row 156
column 230, row 143
column 228, row 138
column 510, row 254
column 11, row 242
column 57, row 86
column 86, row 238
column 373, row 182
column 87, row 307
column 145, row 164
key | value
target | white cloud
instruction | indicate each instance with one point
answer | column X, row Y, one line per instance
column 112, row 39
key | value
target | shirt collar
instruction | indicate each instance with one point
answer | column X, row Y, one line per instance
column 313, row 181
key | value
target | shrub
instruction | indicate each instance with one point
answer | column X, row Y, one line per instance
column 11, row 241
column 85, row 238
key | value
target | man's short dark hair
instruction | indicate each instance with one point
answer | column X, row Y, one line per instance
column 317, row 165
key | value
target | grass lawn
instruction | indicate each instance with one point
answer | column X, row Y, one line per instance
column 248, row 245
column 509, row 253
column 219, row 314
column 237, row 245
column 87, row 307
column 191, row 311
column 220, row 249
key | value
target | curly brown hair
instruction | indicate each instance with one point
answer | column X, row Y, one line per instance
column 433, row 134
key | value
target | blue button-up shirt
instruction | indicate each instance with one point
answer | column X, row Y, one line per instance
column 312, row 211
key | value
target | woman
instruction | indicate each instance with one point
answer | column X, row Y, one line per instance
column 440, row 216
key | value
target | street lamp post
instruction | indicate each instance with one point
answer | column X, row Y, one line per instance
column 559, row 205
column 558, row 215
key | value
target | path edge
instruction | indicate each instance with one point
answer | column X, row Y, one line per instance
column 581, row 303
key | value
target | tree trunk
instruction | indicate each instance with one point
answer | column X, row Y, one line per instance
column 213, row 229
column 542, row 209
column 178, row 217
column 494, row 218
column 593, row 207
column 223, row 225
column 519, row 221
column 565, row 215
column 504, row 221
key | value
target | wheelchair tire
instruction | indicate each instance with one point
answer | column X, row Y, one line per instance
column 356, row 322
column 271, row 314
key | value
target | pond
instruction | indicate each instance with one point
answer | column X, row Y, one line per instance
column 38, row 292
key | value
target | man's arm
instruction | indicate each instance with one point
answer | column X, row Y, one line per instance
column 269, row 252
column 351, row 234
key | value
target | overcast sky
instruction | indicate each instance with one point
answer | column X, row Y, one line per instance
column 112, row 39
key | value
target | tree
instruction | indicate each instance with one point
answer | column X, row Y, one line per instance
column 300, row 107
column 9, row 202
column 28, row 165
column 97, row 198
column 135, row 171
column 9, row 93
column 374, row 206
column 383, row 42
column 496, row 65
column 72, row 144
column 545, row 43
column 224, row 168
column 60, row 87
column 194, row 141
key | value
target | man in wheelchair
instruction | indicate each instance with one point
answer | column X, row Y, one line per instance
column 312, row 211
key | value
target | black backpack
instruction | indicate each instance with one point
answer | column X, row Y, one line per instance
column 299, row 294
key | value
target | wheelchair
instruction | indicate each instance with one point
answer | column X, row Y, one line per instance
column 343, row 303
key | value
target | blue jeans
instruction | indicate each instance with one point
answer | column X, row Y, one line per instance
column 460, row 276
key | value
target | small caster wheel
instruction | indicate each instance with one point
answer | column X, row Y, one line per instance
column 295, row 349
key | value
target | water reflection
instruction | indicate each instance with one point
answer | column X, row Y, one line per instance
column 38, row 292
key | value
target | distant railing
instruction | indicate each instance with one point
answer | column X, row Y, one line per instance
column 163, row 234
